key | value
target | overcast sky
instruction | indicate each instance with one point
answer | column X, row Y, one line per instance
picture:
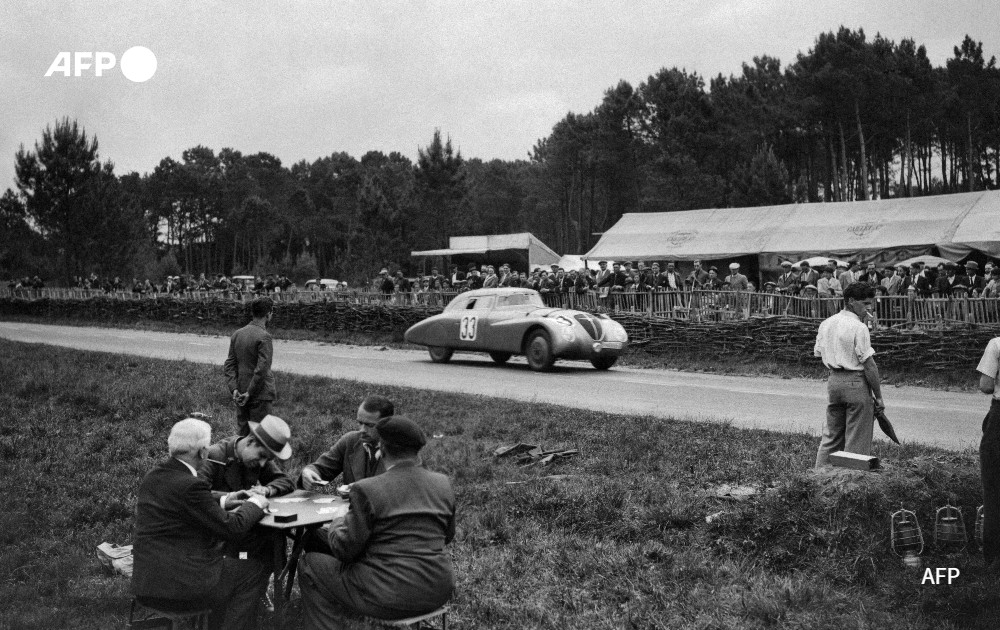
column 305, row 79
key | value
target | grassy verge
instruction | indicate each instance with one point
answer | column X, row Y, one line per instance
column 618, row 538
column 691, row 361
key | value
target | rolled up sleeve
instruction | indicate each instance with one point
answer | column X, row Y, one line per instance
column 863, row 345
column 989, row 365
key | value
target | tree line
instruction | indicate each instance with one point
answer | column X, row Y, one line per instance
column 853, row 118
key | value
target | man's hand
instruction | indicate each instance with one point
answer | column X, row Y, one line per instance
column 259, row 501
column 236, row 499
column 260, row 490
column 242, row 399
column 879, row 405
column 310, row 478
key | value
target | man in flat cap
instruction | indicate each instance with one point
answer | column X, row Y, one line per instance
column 389, row 559
column 236, row 469
column 788, row 282
column 736, row 280
column 976, row 281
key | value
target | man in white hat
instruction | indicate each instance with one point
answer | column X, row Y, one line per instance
column 236, row 469
column 788, row 282
column 736, row 280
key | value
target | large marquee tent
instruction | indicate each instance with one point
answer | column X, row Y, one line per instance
column 886, row 229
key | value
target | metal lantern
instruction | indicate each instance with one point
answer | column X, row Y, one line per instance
column 949, row 529
column 979, row 527
column 907, row 539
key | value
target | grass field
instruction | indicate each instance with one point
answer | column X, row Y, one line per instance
column 618, row 539
column 691, row 361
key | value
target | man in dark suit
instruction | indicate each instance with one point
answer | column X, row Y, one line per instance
column 975, row 281
column 670, row 280
column 618, row 278
column 178, row 561
column 235, row 468
column 389, row 559
column 355, row 455
column 604, row 276
column 697, row 278
column 248, row 367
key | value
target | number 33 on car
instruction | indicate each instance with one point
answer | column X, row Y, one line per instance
column 505, row 322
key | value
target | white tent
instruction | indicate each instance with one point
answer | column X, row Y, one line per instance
column 955, row 224
column 537, row 252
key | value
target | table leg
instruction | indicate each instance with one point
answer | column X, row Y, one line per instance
column 280, row 600
column 293, row 560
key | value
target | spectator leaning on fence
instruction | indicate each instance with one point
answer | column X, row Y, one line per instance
column 975, row 281
column 807, row 276
column 697, row 278
column 735, row 280
column 828, row 286
column 713, row 283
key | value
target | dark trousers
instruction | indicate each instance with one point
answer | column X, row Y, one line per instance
column 235, row 600
column 989, row 464
column 253, row 411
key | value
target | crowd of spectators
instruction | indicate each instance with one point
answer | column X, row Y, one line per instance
column 943, row 280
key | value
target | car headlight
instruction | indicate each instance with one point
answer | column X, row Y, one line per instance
column 565, row 321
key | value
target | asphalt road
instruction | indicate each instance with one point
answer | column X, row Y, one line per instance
column 947, row 419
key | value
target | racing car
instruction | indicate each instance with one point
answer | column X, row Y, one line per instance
column 505, row 321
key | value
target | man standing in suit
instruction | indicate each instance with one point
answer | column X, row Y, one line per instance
column 178, row 563
column 788, row 282
column 975, row 281
column 808, row 276
column 389, row 559
column 236, row 468
column 697, row 278
column 248, row 367
column 604, row 275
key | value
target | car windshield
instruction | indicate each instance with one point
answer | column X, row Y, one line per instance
column 519, row 299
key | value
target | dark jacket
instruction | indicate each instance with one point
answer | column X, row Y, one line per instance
column 234, row 475
column 179, row 530
column 392, row 541
column 248, row 366
column 352, row 456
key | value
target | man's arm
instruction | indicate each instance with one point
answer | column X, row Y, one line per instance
column 874, row 382
column 204, row 510
column 987, row 384
column 330, row 464
column 230, row 367
column 349, row 538
column 277, row 480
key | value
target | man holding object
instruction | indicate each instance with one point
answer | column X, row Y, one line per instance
column 248, row 367
column 989, row 454
column 855, row 391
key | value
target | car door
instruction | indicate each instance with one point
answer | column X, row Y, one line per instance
column 473, row 324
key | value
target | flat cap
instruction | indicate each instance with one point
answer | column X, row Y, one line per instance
column 400, row 431
column 734, row 266
column 972, row 265
column 786, row 263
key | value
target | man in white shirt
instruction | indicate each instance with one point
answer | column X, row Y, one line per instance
column 989, row 454
column 854, row 387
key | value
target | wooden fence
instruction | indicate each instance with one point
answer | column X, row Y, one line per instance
column 898, row 311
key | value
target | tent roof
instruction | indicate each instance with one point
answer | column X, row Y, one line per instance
column 538, row 252
column 955, row 223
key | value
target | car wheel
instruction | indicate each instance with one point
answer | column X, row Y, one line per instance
column 603, row 363
column 500, row 357
column 440, row 354
column 538, row 351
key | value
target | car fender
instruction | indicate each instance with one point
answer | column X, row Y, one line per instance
column 430, row 332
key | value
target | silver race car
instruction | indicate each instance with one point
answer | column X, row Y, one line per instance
column 505, row 322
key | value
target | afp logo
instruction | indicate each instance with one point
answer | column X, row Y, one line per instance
column 138, row 64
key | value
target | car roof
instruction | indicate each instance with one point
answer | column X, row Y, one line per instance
column 496, row 291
